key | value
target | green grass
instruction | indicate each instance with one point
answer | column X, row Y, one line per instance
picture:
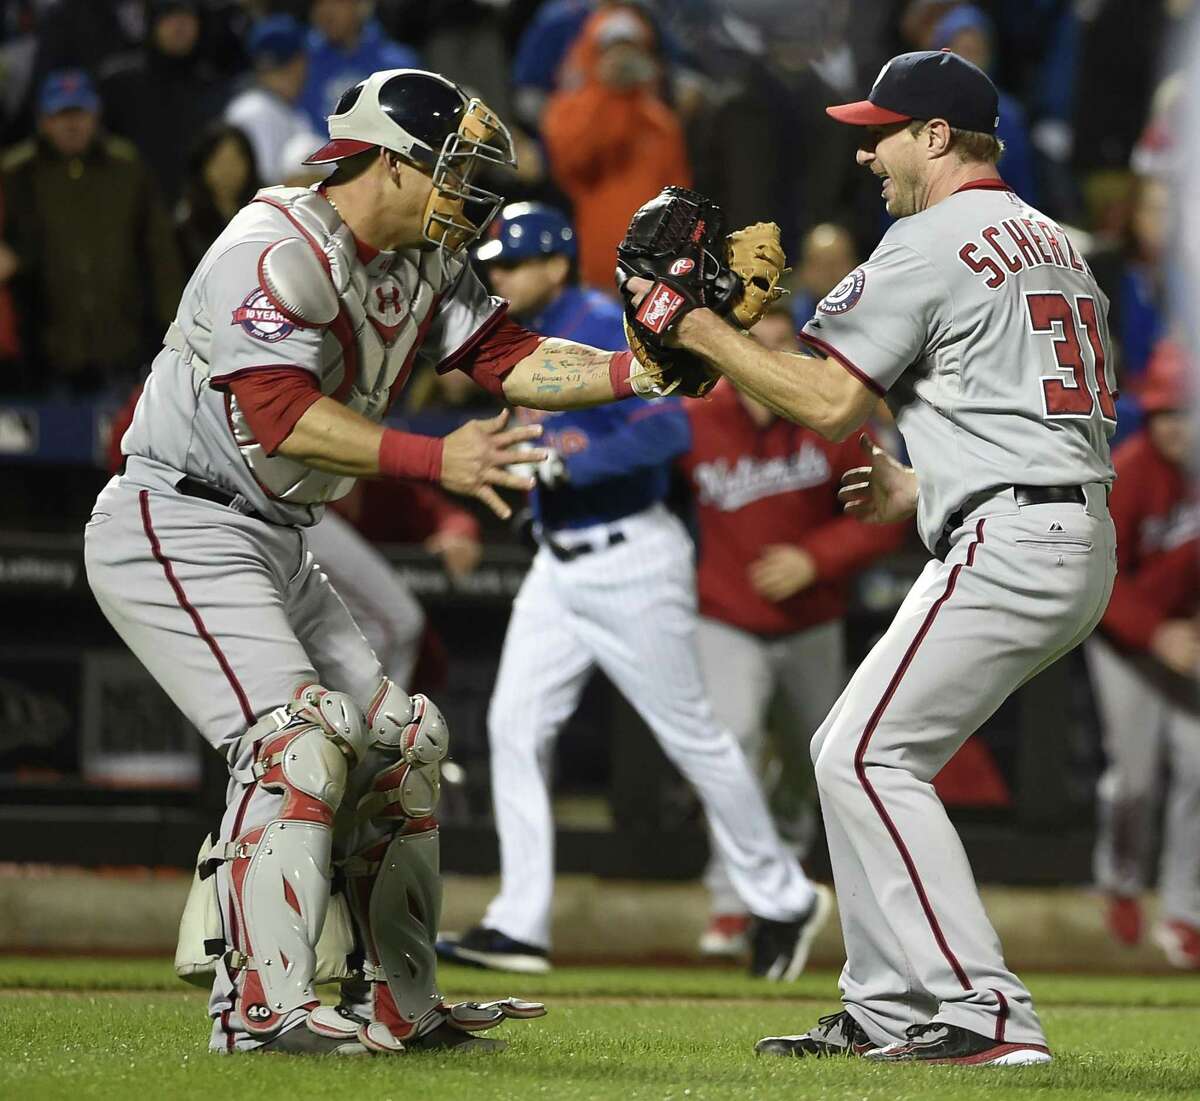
column 127, row 1029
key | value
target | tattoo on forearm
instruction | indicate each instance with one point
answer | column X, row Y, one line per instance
column 568, row 368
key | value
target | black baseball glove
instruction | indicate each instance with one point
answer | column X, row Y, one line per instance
column 676, row 240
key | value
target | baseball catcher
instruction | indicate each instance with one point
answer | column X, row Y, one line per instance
column 677, row 241
column 298, row 329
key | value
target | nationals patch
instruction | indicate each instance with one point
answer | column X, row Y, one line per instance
column 259, row 317
column 659, row 307
column 845, row 295
column 682, row 266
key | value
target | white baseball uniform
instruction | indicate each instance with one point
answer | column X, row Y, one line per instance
column 987, row 333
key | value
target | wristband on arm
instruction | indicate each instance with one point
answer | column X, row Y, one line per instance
column 619, row 370
column 404, row 455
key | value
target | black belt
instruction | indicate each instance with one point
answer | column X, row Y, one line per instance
column 193, row 487
column 1024, row 495
column 568, row 554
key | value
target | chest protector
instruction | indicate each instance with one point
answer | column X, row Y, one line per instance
column 375, row 316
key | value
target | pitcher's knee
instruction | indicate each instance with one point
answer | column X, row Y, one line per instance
column 834, row 768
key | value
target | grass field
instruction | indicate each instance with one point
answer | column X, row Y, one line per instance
column 128, row 1029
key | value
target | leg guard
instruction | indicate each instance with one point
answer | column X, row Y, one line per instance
column 279, row 872
column 395, row 891
column 392, row 876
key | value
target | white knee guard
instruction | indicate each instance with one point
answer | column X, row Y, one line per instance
column 279, row 872
column 393, row 883
column 412, row 731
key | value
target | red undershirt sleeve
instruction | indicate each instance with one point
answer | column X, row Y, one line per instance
column 497, row 353
column 273, row 399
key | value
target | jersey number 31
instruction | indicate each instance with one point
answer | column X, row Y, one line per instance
column 1072, row 392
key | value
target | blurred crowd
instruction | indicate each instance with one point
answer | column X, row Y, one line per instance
column 135, row 128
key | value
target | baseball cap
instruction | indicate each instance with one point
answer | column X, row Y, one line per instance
column 927, row 84
column 525, row 230
column 65, row 90
column 275, row 40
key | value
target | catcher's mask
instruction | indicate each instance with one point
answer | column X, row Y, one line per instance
column 432, row 124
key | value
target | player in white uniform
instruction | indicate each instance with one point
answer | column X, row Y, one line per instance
column 985, row 331
column 611, row 587
column 300, row 324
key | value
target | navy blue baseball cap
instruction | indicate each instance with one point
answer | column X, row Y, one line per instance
column 275, row 40
column 524, row 230
column 66, row 90
column 928, row 84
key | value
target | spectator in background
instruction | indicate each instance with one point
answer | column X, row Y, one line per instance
column 613, row 142
column 1133, row 276
column 345, row 45
column 827, row 256
column 267, row 110
column 221, row 180
column 1143, row 663
column 968, row 32
column 99, row 275
column 777, row 555
column 164, row 92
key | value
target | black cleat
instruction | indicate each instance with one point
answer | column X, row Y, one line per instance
column 302, row 1040
column 482, row 947
column 779, row 949
column 939, row 1043
column 836, row 1035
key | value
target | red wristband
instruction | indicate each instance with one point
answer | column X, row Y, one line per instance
column 618, row 375
column 403, row 455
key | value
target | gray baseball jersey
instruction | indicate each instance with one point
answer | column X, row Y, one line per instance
column 985, row 329
column 393, row 308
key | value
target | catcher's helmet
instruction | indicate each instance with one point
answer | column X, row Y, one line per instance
column 430, row 122
column 524, row 230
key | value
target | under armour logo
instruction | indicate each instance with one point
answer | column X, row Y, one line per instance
column 389, row 302
column 1056, row 526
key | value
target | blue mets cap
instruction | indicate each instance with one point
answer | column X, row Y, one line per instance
column 66, row 90
column 275, row 40
column 928, row 84
column 525, row 230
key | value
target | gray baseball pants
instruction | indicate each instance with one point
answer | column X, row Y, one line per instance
column 1011, row 598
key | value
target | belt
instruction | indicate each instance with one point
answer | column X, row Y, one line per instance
column 1024, row 495
column 569, row 554
column 194, row 487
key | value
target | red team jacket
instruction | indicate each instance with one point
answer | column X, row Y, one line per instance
column 1158, row 541
column 778, row 484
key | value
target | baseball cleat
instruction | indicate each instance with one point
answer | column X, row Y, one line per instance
column 835, row 1035
column 1180, row 942
column 727, row 935
column 483, row 947
column 1123, row 917
column 304, row 1040
column 939, row 1043
column 779, row 949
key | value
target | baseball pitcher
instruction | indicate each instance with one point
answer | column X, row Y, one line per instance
column 985, row 332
